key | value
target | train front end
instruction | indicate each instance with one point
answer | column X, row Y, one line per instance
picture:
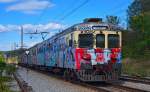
column 98, row 52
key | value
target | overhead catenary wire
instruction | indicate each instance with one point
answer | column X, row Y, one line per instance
column 37, row 22
column 71, row 12
column 42, row 13
column 72, row 4
column 117, row 10
column 66, row 15
column 74, row 10
column 62, row 13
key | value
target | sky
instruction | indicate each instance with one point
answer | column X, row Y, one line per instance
column 50, row 16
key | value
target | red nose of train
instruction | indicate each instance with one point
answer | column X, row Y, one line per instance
column 100, row 56
column 99, row 50
column 114, row 54
column 86, row 56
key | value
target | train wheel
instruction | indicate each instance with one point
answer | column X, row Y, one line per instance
column 73, row 76
column 66, row 75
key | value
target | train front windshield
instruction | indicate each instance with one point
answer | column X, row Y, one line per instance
column 86, row 40
column 113, row 41
column 100, row 41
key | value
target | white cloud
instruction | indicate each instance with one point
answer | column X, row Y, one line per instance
column 43, row 27
column 5, row 28
column 49, row 27
column 6, row 1
column 31, row 28
column 30, row 6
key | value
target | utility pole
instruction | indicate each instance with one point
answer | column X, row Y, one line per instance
column 21, row 37
column 15, row 45
column 11, row 46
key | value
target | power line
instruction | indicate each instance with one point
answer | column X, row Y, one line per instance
column 44, row 33
column 56, row 18
column 117, row 9
column 72, row 4
column 74, row 10
column 43, row 13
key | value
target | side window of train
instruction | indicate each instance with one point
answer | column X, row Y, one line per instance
column 38, row 50
column 70, row 43
column 75, row 43
column 48, row 46
column 71, row 40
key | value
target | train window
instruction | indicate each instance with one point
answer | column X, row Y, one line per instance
column 100, row 40
column 70, row 43
column 86, row 40
column 113, row 41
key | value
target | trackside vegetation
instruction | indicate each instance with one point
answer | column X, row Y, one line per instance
column 6, row 72
column 136, row 40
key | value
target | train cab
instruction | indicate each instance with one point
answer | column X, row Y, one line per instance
column 98, row 51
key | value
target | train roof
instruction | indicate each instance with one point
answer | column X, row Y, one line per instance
column 88, row 24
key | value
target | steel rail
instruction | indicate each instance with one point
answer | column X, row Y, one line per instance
column 97, row 88
column 136, row 79
column 130, row 89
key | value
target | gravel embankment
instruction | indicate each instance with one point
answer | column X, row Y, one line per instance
column 44, row 83
column 13, row 85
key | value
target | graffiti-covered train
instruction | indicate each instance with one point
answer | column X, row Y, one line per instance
column 88, row 51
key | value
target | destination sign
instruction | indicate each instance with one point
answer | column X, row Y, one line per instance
column 99, row 27
column 94, row 27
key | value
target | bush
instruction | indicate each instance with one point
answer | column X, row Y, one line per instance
column 3, row 87
column 5, row 79
column 10, row 69
column 2, row 67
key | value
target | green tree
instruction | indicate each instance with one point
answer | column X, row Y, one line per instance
column 145, row 5
column 136, row 42
column 135, row 17
column 1, row 57
column 112, row 20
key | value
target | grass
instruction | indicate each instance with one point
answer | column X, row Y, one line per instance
column 136, row 67
column 3, row 86
column 6, row 78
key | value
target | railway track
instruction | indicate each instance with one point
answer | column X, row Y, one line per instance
column 127, row 88
column 99, row 87
column 117, row 87
column 135, row 79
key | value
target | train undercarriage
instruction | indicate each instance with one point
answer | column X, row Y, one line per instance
column 99, row 73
